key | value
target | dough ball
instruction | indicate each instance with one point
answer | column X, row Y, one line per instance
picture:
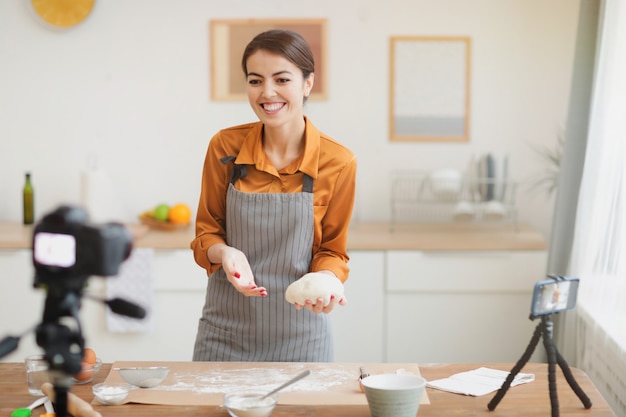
column 312, row 286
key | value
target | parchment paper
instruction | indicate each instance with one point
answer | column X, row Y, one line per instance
column 204, row 383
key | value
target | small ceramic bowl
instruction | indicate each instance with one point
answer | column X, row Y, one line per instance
column 446, row 184
column 88, row 373
column 111, row 394
column 249, row 403
column 494, row 210
column 144, row 376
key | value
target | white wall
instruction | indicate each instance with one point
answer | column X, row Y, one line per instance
column 130, row 87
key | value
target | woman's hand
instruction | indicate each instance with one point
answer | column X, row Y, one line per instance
column 317, row 305
column 237, row 269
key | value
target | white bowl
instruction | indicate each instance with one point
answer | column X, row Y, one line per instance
column 111, row 394
column 144, row 376
column 249, row 403
column 446, row 183
column 397, row 395
column 494, row 210
column 464, row 211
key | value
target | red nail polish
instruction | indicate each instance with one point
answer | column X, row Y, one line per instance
column 237, row 275
column 332, row 296
column 254, row 287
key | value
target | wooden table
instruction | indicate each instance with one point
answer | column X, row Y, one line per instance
column 524, row 400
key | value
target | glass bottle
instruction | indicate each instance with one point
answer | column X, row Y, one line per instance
column 29, row 204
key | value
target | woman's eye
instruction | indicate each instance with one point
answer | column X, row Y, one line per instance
column 283, row 80
column 254, row 82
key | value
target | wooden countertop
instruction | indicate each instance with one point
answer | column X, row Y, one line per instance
column 531, row 400
column 363, row 236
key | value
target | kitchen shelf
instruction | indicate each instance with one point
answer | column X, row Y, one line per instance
column 418, row 196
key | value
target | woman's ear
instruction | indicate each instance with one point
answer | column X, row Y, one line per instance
column 308, row 84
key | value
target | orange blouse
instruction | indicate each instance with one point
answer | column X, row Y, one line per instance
column 331, row 165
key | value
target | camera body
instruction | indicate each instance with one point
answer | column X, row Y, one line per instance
column 553, row 295
column 66, row 249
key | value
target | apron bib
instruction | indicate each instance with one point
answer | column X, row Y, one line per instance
column 275, row 231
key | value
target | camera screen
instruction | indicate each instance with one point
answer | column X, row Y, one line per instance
column 54, row 249
column 553, row 296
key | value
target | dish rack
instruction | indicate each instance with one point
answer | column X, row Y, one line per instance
column 422, row 197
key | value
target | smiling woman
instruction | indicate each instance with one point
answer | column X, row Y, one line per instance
column 62, row 13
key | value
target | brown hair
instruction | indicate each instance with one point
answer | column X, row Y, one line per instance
column 289, row 44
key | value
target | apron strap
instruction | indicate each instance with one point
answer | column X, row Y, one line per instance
column 240, row 171
column 307, row 184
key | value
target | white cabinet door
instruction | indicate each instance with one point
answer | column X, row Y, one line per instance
column 179, row 287
column 358, row 326
column 22, row 305
column 461, row 306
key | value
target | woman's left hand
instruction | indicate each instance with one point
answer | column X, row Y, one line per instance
column 319, row 307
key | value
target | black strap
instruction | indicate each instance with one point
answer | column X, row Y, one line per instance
column 240, row 171
column 307, row 184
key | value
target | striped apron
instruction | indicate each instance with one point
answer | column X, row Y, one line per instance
column 275, row 231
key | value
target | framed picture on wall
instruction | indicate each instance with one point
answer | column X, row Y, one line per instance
column 228, row 39
column 429, row 91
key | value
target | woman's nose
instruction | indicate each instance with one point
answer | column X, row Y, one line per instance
column 269, row 90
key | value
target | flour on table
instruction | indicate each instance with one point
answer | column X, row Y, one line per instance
column 263, row 379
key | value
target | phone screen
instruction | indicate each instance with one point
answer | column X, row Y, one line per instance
column 551, row 296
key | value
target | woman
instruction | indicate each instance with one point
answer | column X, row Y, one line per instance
column 275, row 205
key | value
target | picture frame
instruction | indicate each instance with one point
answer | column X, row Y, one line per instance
column 229, row 37
column 429, row 88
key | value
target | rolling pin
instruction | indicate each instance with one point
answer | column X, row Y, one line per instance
column 76, row 406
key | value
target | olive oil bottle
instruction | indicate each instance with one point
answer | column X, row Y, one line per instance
column 29, row 202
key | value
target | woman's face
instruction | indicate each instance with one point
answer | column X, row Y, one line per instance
column 276, row 89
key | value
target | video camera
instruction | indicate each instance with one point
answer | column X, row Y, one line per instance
column 66, row 250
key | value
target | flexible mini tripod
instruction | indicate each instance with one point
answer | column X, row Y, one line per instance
column 543, row 329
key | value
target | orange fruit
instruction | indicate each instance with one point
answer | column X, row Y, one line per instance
column 89, row 356
column 89, row 359
column 180, row 213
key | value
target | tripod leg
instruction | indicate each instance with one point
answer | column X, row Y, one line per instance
column 518, row 367
column 551, row 351
column 572, row 381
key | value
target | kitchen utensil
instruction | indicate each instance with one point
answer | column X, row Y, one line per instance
column 27, row 411
column 247, row 403
column 111, row 394
column 88, row 372
column 76, row 406
column 286, row 384
column 144, row 376
column 397, row 395
column 363, row 374
column 49, row 409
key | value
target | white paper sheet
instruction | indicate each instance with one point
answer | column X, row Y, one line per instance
column 478, row 382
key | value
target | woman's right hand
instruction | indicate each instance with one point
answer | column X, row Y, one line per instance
column 237, row 269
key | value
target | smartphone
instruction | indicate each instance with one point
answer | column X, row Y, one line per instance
column 554, row 295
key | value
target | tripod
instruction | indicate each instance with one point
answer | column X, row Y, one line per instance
column 544, row 329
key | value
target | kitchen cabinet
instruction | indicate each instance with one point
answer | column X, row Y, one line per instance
column 423, row 293
column 358, row 327
column 471, row 306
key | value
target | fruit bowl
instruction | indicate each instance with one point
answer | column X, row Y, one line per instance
column 165, row 226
